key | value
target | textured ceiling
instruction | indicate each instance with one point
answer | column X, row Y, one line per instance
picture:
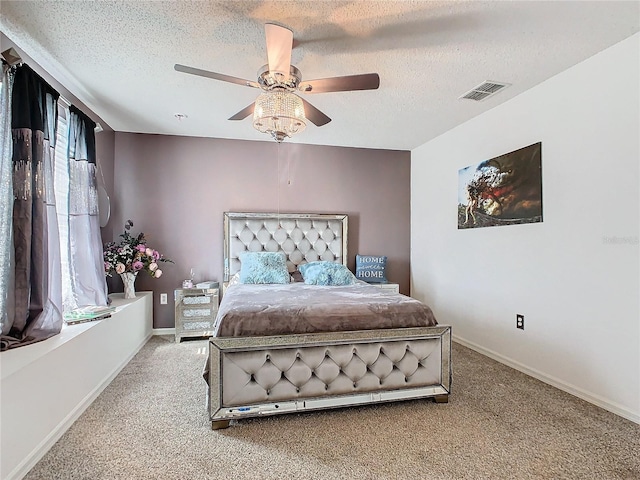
column 118, row 57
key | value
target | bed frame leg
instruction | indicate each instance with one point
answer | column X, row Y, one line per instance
column 441, row 398
column 219, row 424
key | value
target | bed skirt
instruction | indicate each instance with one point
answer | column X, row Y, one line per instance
column 258, row 376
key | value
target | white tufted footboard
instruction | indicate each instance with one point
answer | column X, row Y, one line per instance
column 253, row 376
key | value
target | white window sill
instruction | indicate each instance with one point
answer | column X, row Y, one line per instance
column 15, row 359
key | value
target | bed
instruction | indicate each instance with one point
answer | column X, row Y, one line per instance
column 288, row 348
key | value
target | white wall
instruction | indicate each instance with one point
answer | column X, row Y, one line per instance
column 575, row 276
column 46, row 386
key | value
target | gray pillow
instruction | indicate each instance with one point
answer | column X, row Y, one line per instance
column 371, row 268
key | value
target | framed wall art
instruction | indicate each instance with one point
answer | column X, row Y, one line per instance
column 505, row 190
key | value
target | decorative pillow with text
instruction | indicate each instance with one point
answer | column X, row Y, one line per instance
column 371, row 268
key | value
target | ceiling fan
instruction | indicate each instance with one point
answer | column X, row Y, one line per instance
column 278, row 110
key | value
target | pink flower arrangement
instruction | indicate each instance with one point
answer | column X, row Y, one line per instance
column 132, row 254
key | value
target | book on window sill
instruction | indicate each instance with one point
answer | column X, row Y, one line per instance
column 77, row 320
column 87, row 314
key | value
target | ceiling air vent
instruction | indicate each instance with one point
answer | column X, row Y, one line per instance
column 484, row 90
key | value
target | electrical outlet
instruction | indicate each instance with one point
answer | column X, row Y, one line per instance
column 163, row 299
column 519, row 321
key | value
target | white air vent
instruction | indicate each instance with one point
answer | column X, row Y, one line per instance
column 484, row 90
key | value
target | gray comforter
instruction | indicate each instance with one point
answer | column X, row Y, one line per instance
column 255, row 310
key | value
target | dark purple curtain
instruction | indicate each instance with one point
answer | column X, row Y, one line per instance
column 36, row 312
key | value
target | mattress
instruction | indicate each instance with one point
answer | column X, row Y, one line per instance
column 298, row 308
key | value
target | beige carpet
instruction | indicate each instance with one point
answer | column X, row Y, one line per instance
column 151, row 423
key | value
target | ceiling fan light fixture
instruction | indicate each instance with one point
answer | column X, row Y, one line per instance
column 279, row 113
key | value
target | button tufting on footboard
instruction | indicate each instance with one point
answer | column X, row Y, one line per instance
column 307, row 372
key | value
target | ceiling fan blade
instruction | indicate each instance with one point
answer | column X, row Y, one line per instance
column 366, row 81
column 314, row 115
column 279, row 45
column 215, row 76
column 244, row 113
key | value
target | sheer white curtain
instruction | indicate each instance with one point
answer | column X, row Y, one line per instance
column 85, row 243
column 6, row 199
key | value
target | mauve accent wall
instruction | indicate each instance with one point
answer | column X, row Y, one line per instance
column 176, row 189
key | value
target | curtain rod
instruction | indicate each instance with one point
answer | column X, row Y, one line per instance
column 11, row 57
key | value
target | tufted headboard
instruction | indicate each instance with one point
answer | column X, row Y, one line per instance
column 302, row 237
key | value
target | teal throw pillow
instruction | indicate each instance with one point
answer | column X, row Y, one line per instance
column 263, row 267
column 326, row 273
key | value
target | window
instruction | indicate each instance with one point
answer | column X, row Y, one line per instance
column 61, row 190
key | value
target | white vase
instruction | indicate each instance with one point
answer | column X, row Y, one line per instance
column 129, row 282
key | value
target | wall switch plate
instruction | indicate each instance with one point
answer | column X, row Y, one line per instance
column 520, row 321
column 163, row 299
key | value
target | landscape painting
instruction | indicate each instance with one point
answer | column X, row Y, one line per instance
column 505, row 190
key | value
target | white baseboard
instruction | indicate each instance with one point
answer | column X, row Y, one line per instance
column 556, row 382
column 55, row 435
column 47, row 370
column 163, row 331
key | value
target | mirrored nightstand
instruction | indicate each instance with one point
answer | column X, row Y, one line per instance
column 196, row 310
